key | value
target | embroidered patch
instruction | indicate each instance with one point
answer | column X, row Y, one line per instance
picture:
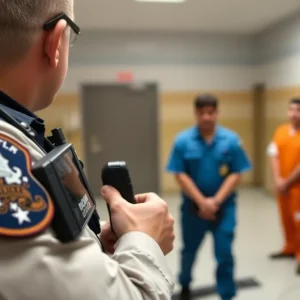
column 25, row 206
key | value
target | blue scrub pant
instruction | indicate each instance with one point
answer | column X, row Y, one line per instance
column 193, row 231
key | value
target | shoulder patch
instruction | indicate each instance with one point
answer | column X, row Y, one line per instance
column 26, row 208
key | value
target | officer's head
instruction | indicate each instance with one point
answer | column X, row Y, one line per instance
column 34, row 56
column 294, row 112
column 206, row 110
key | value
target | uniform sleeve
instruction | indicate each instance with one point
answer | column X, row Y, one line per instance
column 176, row 160
column 80, row 270
column 145, row 265
column 240, row 161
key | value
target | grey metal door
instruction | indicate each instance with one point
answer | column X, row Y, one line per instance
column 120, row 122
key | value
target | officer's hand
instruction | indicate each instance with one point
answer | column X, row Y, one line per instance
column 208, row 209
column 108, row 238
column 150, row 215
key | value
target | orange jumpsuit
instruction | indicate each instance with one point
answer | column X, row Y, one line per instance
column 286, row 147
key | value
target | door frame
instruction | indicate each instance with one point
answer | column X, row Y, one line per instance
column 259, row 128
column 133, row 85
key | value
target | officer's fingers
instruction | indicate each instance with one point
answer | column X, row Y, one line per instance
column 142, row 198
column 111, row 196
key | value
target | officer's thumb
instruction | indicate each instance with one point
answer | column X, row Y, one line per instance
column 111, row 195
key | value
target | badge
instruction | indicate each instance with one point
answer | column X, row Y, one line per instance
column 224, row 170
column 25, row 206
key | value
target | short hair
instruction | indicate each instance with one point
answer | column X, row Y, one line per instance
column 205, row 100
column 295, row 101
column 21, row 20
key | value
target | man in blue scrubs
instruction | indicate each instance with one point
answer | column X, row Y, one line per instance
column 208, row 161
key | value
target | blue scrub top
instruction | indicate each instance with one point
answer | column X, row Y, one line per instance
column 208, row 164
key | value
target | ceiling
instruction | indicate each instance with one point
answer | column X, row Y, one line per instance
column 224, row 16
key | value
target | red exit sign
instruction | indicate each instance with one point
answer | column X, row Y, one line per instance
column 125, row 76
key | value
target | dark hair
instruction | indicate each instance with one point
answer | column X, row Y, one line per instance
column 295, row 101
column 206, row 100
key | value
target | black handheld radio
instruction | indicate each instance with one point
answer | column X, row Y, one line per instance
column 116, row 174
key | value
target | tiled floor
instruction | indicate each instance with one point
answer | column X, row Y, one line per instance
column 258, row 234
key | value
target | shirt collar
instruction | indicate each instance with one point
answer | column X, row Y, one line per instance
column 197, row 133
column 22, row 114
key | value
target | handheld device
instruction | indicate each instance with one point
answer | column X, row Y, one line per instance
column 61, row 174
column 116, row 174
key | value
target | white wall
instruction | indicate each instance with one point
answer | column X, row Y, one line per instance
column 279, row 54
column 176, row 78
column 284, row 72
column 176, row 61
column 190, row 61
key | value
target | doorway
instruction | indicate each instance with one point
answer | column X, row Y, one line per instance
column 121, row 123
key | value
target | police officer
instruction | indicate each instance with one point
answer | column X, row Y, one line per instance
column 35, row 37
column 207, row 161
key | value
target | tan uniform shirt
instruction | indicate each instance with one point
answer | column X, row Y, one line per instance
column 43, row 268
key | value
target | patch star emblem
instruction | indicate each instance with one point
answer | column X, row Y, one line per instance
column 14, row 206
column 21, row 216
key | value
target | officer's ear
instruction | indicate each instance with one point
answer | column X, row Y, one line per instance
column 54, row 41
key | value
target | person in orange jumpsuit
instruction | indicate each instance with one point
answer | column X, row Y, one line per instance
column 284, row 151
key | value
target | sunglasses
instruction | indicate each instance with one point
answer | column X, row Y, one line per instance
column 75, row 30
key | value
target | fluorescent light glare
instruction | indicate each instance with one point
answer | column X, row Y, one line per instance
column 162, row 1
